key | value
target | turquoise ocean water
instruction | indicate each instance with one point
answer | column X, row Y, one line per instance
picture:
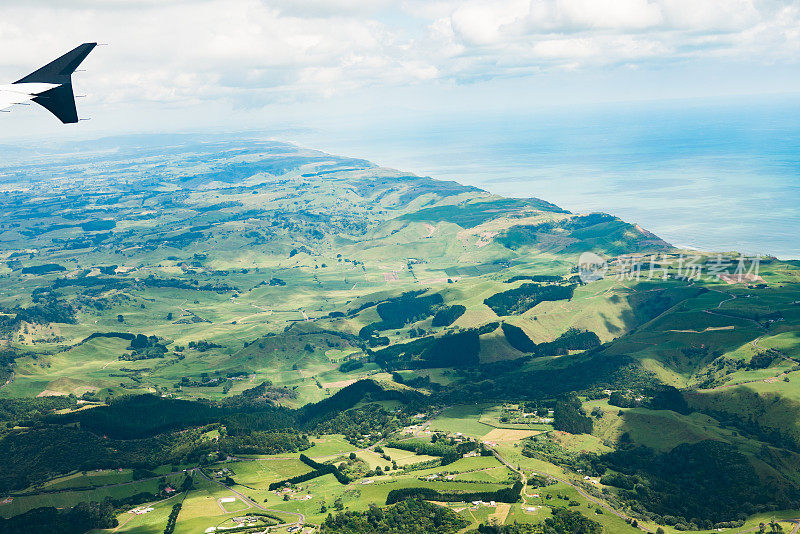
column 717, row 176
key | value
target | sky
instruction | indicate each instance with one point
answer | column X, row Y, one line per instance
column 225, row 65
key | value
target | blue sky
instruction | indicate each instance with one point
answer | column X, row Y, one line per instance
column 252, row 64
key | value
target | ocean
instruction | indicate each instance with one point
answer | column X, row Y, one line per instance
column 717, row 176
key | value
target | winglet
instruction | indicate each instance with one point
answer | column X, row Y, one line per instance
column 60, row 71
column 60, row 100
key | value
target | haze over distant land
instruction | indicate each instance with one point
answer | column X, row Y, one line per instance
column 716, row 176
column 675, row 114
column 722, row 175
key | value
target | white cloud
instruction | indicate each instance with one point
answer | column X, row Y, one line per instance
column 251, row 51
column 595, row 14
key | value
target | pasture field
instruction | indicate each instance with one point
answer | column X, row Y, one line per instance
column 509, row 434
column 464, row 418
column 493, row 416
column 329, row 445
column 261, row 473
column 149, row 523
column 406, row 457
column 100, row 477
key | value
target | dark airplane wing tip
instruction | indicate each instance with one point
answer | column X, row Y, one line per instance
column 60, row 71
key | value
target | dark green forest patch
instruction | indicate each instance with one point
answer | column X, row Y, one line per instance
column 523, row 298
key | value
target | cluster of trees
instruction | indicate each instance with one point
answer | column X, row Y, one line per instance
column 515, row 528
column 509, row 495
column 203, row 345
column 81, row 518
column 459, row 349
column 448, row 315
column 325, row 469
column 510, row 380
column 416, row 382
column 350, row 365
column 263, row 443
column 98, row 225
column 141, row 416
column 311, row 415
column 565, row 521
column 25, row 411
column 102, row 283
column 568, row 416
column 523, row 298
column 44, row 269
column 119, row 335
column 572, row 339
column 357, row 423
column 407, row 308
column 623, row 399
column 243, row 423
column 143, row 348
column 517, row 338
column 193, row 285
column 172, row 520
column 46, row 309
column 412, row 516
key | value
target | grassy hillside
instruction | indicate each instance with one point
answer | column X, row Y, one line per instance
column 271, row 301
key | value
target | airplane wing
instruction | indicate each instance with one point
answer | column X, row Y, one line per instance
column 49, row 86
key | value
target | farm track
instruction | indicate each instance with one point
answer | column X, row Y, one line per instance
column 602, row 503
column 224, row 511
column 131, row 516
column 301, row 519
column 577, row 488
column 754, row 343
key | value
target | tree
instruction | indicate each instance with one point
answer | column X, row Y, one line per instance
column 120, row 318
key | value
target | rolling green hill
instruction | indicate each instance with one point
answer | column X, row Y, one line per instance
column 191, row 306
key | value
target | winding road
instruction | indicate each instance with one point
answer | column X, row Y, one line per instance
column 577, row 488
column 301, row 519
